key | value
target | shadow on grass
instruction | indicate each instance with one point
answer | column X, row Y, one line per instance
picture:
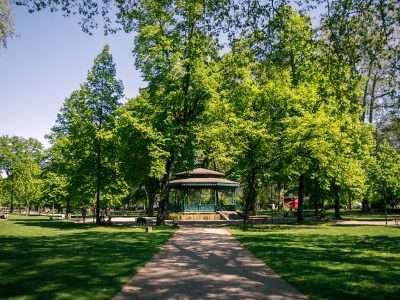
column 68, row 225
column 272, row 227
column 338, row 266
column 55, row 224
column 83, row 265
column 364, row 225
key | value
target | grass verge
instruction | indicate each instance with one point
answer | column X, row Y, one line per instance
column 42, row 259
column 330, row 261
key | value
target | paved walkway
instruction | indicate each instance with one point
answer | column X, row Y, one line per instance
column 206, row 263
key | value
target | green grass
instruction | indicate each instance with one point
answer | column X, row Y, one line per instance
column 331, row 261
column 369, row 216
column 42, row 259
column 354, row 214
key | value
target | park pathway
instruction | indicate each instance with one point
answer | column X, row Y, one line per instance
column 206, row 263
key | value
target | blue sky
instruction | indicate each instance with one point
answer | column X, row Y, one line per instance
column 46, row 62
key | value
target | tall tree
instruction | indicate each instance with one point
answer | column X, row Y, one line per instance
column 83, row 132
column 384, row 176
column 104, row 92
column 247, row 121
column 141, row 149
column 71, row 151
column 175, row 51
column 293, row 79
column 20, row 160
column 293, row 50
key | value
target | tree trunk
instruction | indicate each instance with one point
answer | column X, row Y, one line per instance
column 337, row 205
column 372, row 101
column 28, row 207
column 250, row 196
column 98, row 220
column 300, row 216
column 150, row 196
column 12, row 196
column 279, row 192
column 316, row 204
column 365, row 205
column 164, row 193
column 350, row 202
column 364, row 102
column 68, row 208
column 164, row 199
column 322, row 207
column 150, row 206
column 98, row 182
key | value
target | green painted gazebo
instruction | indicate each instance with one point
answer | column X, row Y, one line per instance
column 202, row 190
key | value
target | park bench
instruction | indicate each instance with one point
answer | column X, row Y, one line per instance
column 56, row 216
column 146, row 221
column 259, row 219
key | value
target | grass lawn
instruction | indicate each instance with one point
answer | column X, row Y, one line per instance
column 331, row 261
column 355, row 214
column 362, row 216
column 42, row 259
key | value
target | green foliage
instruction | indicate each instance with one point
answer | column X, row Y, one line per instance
column 6, row 22
column 251, row 88
column 384, row 176
column 54, row 189
column 20, row 165
column 83, row 139
column 141, row 145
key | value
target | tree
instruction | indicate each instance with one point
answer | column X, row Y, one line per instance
column 141, row 148
column 254, row 88
column 104, row 93
column 6, row 22
column 175, row 52
column 384, row 176
column 83, row 132
column 309, row 107
column 244, row 110
column 293, row 52
column 20, row 162
column 71, row 151
column 54, row 189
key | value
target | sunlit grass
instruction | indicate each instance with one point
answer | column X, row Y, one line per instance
column 331, row 262
column 42, row 259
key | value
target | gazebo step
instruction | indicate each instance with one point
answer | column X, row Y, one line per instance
column 200, row 216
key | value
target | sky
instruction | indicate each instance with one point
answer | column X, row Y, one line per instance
column 48, row 60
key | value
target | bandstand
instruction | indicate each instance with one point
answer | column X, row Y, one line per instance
column 202, row 190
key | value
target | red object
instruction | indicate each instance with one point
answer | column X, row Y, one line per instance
column 292, row 203
column 296, row 203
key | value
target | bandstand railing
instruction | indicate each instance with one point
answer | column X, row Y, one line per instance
column 199, row 207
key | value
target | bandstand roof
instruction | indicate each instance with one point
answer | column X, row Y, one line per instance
column 200, row 172
column 201, row 178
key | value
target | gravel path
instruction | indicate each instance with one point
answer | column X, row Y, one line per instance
column 206, row 263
